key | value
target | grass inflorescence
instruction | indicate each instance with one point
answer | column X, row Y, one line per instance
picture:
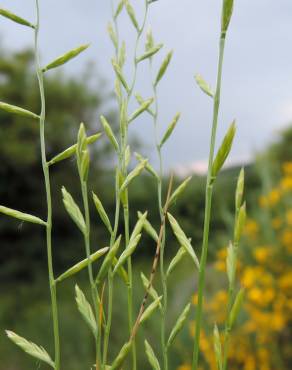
column 116, row 257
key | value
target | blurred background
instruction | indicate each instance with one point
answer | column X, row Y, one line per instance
column 257, row 90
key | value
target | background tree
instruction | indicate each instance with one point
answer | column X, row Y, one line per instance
column 70, row 100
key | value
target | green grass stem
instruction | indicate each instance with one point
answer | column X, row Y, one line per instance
column 208, row 204
column 46, row 172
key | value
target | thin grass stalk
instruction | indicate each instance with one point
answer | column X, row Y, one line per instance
column 161, row 213
column 113, row 236
column 155, row 260
column 230, row 299
column 227, row 328
column 124, row 142
column 111, row 278
column 93, row 288
column 208, row 204
column 46, row 172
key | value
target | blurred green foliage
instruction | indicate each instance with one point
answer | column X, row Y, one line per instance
column 70, row 100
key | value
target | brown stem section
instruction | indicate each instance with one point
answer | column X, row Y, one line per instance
column 155, row 261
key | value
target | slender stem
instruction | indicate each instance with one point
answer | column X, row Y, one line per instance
column 94, row 292
column 164, row 306
column 208, row 204
column 126, row 201
column 160, row 209
column 123, row 170
column 141, row 30
column 46, row 173
column 130, row 283
column 155, row 260
column 109, row 319
column 231, row 289
column 227, row 325
column 111, row 278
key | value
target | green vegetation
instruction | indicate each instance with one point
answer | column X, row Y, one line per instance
column 128, row 312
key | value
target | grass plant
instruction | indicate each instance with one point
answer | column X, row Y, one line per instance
column 115, row 260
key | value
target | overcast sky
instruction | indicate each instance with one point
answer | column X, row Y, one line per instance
column 257, row 77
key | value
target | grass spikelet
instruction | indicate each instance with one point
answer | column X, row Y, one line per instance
column 204, row 86
column 170, row 129
column 86, row 310
column 15, row 18
column 182, row 239
column 69, row 152
column 151, row 356
column 30, row 348
column 150, row 309
column 65, row 57
column 224, row 150
column 21, row 216
column 73, row 210
column 179, row 324
column 149, row 53
column 82, row 264
column 18, row 111
column 163, row 67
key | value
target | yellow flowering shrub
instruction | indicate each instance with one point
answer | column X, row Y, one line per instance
column 261, row 338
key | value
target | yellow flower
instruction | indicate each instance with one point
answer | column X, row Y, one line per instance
column 250, row 363
column 251, row 228
column 261, row 254
column 289, row 217
column 285, row 281
column 263, row 201
column 255, row 295
column 185, row 367
column 195, row 299
column 286, row 238
column 278, row 321
column 220, row 266
column 263, row 353
column 248, row 277
column 286, row 183
column 287, row 168
column 276, row 222
column 274, row 197
column 268, row 295
column 222, row 254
